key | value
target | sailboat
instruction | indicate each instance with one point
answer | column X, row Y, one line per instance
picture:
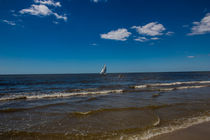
column 103, row 71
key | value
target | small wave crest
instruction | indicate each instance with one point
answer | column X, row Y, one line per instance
column 157, row 122
column 149, row 107
column 182, row 87
column 163, row 89
column 166, row 86
column 171, row 84
column 59, row 95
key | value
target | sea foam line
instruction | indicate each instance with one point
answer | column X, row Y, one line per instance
column 177, row 88
column 59, row 95
column 171, row 84
column 182, row 87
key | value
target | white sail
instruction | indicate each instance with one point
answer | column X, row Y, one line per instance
column 103, row 71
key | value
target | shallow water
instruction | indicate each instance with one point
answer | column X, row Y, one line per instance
column 91, row 106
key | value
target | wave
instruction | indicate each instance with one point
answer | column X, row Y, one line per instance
column 157, row 122
column 186, row 87
column 91, row 92
column 163, row 89
column 149, row 107
column 59, row 95
column 176, row 125
column 82, row 92
column 171, row 84
column 182, row 87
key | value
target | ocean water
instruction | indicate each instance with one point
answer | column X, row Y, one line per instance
column 92, row 106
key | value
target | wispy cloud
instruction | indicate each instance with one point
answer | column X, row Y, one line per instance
column 42, row 9
column 155, row 38
column 141, row 39
column 150, row 29
column 169, row 33
column 201, row 27
column 9, row 22
column 191, row 56
column 120, row 34
column 96, row 1
column 48, row 2
column 38, row 10
column 144, row 39
column 93, row 44
column 64, row 17
column 12, row 11
column 55, row 22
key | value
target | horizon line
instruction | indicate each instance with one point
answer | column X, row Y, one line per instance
column 99, row 73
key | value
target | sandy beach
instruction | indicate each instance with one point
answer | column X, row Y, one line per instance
column 196, row 132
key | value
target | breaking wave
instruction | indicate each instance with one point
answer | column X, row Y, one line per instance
column 82, row 92
column 176, row 125
column 59, row 95
column 172, row 84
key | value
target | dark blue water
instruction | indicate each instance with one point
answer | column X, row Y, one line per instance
column 92, row 106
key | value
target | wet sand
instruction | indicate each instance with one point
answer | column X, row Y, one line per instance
column 196, row 132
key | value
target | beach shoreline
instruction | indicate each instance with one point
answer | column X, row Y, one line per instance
column 194, row 132
column 134, row 106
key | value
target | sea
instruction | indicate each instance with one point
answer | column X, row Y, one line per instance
column 125, row 106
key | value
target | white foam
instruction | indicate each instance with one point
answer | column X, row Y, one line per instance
column 171, row 84
column 166, row 89
column 187, row 87
column 182, row 87
column 60, row 95
column 157, row 122
column 168, row 129
column 141, row 86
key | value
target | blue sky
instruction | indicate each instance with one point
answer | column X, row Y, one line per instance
column 79, row 36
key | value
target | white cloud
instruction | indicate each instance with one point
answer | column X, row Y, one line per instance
column 48, row 2
column 155, row 38
column 191, row 56
column 42, row 10
column 64, row 17
column 201, row 27
column 169, row 33
column 12, row 11
column 55, row 22
column 39, row 10
column 141, row 39
column 150, row 29
column 9, row 22
column 96, row 1
column 144, row 39
column 120, row 34
column 93, row 44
